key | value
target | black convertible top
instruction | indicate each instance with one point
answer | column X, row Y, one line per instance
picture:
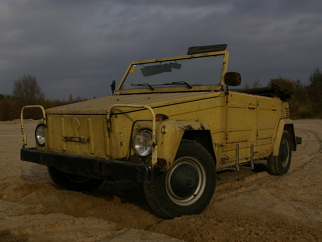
column 272, row 91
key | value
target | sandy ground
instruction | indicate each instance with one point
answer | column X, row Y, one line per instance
column 247, row 206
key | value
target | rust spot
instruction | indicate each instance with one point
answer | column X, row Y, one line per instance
column 188, row 127
column 162, row 163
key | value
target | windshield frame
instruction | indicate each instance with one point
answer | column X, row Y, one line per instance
column 175, row 88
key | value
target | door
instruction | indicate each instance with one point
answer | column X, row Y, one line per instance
column 241, row 127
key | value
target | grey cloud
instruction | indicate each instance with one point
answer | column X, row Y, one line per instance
column 78, row 47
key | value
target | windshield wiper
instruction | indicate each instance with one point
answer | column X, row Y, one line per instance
column 179, row 83
column 143, row 84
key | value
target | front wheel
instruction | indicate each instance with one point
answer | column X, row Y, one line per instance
column 73, row 182
column 279, row 165
column 187, row 187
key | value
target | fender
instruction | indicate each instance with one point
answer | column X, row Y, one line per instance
column 169, row 136
column 284, row 124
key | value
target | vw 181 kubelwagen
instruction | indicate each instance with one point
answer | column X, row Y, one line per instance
column 171, row 124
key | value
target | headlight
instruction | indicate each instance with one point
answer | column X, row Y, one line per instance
column 40, row 134
column 142, row 143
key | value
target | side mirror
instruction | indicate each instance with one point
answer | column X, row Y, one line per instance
column 232, row 79
column 113, row 86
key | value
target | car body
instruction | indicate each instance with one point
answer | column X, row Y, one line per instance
column 171, row 124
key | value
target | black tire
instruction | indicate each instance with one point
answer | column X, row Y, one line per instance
column 73, row 182
column 279, row 165
column 187, row 187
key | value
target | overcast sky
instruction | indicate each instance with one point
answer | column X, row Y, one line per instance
column 79, row 47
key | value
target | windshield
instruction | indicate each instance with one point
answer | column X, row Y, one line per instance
column 190, row 72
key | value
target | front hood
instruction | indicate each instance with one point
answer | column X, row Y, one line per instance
column 101, row 105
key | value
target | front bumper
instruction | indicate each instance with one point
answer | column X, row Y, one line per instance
column 88, row 166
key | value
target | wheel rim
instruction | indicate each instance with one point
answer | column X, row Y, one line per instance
column 186, row 181
column 284, row 153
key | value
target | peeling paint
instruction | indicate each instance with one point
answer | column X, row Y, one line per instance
column 162, row 163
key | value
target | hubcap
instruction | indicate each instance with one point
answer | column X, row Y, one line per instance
column 185, row 182
column 284, row 153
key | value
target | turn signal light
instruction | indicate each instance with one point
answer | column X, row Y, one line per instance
column 161, row 117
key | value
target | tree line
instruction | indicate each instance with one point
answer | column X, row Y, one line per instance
column 306, row 101
column 26, row 91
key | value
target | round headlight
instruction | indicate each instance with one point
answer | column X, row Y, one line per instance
column 142, row 143
column 40, row 134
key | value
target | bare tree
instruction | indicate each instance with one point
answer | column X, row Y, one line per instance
column 256, row 84
column 27, row 90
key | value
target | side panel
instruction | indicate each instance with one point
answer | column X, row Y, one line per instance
column 241, row 118
column 241, row 127
column 252, row 122
column 268, row 115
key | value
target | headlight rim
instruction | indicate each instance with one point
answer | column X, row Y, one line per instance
column 40, row 143
column 150, row 147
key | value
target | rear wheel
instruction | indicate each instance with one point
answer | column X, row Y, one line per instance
column 73, row 182
column 187, row 187
column 279, row 165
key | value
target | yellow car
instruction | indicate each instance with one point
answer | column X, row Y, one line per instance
column 170, row 124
